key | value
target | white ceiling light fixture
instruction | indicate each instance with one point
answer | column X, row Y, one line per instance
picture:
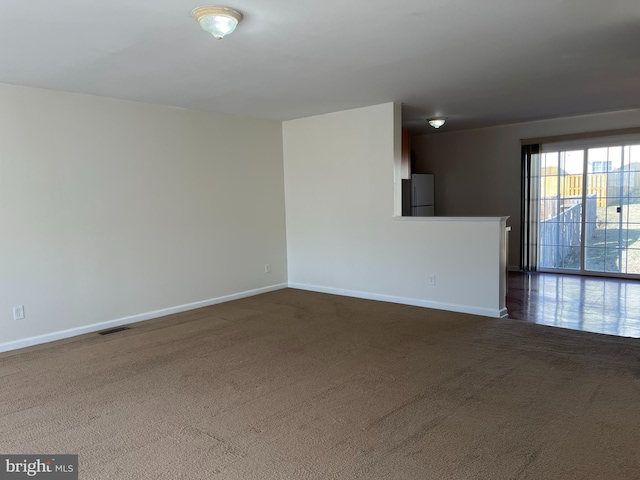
column 437, row 122
column 218, row 21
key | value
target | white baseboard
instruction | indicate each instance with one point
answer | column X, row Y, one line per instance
column 95, row 327
column 485, row 312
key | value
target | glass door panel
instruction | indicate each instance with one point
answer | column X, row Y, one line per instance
column 612, row 236
column 631, row 208
column 561, row 184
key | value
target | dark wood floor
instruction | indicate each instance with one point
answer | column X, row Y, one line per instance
column 592, row 304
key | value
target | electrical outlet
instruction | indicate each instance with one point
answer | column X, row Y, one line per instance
column 431, row 280
column 18, row 312
column 267, row 268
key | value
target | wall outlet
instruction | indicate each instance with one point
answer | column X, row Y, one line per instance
column 431, row 280
column 267, row 268
column 18, row 312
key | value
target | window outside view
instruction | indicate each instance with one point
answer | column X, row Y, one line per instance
column 590, row 211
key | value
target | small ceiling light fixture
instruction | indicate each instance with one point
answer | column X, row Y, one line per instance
column 218, row 21
column 437, row 122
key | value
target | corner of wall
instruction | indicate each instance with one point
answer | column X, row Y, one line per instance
column 397, row 159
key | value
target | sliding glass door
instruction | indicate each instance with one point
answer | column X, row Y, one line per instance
column 613, row 244
column 589, row 209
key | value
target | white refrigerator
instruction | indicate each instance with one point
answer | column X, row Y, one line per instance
column 418, row 196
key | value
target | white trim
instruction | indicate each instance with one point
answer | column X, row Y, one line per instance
column 452, row 307
column 95, row 327
column 449, row 219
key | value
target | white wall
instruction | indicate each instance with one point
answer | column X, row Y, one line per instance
column 478, row 171
column 110, row 209
column 341, row 237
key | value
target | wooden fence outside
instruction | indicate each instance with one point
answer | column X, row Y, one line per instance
column 560, row 234
column 571, row 186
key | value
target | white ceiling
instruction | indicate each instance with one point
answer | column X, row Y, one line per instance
column 477, row 62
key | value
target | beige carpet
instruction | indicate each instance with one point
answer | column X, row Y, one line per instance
column 299, row 385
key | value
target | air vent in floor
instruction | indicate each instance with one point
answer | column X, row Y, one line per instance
column 113, row 330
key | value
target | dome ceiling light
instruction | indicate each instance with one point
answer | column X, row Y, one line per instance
column 437, row 122
column 218, row 21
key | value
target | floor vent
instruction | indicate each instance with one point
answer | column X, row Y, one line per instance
column 113, row 330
